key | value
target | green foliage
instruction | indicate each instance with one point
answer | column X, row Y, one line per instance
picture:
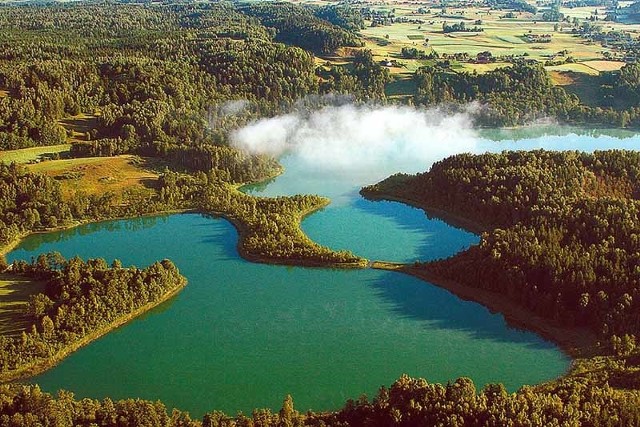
column 564, row 240
column 341, row 15
column 408, row 402
column 269, row 227
column 151, row 73
column 81, row 299
column 366, row 79
column 297, row 25
column 521, row 93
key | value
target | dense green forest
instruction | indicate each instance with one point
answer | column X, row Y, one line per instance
column 562, row 234
column 82, row 301
column 524, row 92
column 299, row 26
column 407, row 402
column 156, row 75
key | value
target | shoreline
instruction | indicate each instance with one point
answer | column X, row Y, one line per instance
column 5, row 249
column 574, row 342
column 452, row 219
column 243, row 231
column 41, row 366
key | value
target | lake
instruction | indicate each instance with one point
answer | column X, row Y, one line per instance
column 244, row 335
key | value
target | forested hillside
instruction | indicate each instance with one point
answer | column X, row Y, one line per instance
column 152, row 74
column 524, row 92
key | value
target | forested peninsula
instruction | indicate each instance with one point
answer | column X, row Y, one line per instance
column 82, row 301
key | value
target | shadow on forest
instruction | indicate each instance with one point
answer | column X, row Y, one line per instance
column 14, row 294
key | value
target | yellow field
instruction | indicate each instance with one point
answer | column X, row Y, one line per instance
column 576, row 68
column 483, row 68
column 27, row 155
column 604, row 65
column 3, row 93
column 561, row 78
column 14, row 295
column 98, row 175
column 501, row 36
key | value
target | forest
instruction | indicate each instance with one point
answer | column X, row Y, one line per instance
column 561, row 232
column 81, row 302
column 407, row 402
column 524, row 92
column 170, row 81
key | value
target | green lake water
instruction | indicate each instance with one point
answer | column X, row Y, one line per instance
column 243, row 335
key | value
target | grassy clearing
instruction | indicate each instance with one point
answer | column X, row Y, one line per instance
column 98, row 175
column 483, row 68
column 401, row 87
column 574, row 68
column 604, row 65
column 79, row 125
column 562, row 78
column 14, row 295
column 584, row 86
column 34, row 154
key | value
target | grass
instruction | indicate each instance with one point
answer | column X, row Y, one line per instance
column 14, row 295
column 575, row 68
column 584, row 86
column 3, row 93
column 98, row 175
column 79, row 125
column 34, row 154
column 604, row 65
column 401, row 87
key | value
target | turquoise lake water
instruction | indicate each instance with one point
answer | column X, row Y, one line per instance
column 243, row 335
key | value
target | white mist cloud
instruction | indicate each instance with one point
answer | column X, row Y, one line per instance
column 351, row 139
column 231, row 108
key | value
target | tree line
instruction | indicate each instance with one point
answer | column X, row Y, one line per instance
column 81, row 298
column 562, row 234
column 407, row 402
column 524, row 92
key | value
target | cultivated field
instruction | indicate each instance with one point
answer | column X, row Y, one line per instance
column 503, row 35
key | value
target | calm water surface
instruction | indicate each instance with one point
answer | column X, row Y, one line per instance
column 244, row 335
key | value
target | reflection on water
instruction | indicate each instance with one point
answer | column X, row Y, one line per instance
column 36, row 240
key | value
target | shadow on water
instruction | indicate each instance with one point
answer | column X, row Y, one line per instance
column 438, row 239
column 414, row 299
column 132, row 224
